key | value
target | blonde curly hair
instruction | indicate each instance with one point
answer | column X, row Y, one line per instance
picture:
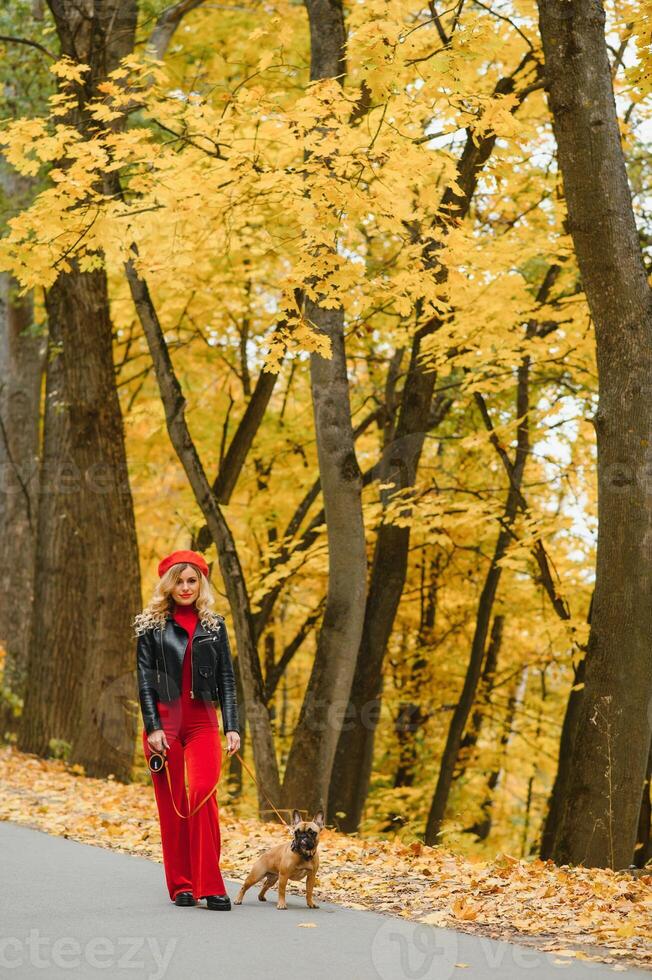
column 161, row 602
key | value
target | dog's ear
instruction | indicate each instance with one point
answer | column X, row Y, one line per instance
column 296, row 818
column 319, row 818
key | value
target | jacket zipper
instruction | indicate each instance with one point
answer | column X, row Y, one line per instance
column 192, row 693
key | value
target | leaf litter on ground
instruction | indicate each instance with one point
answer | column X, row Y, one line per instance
column 584, row 913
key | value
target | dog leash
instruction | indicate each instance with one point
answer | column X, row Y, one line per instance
column 260, row 790
column 185, row 816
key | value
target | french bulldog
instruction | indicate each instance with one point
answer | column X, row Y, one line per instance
column 293, row 860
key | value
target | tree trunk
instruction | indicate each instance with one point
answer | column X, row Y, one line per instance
column 600, row 810
column 471, row 736
column 643, row 850
column 411, row 716
column 87, row 587
column 399, row 464
column 22, row 360
column 354, row 757
column 532, row 847
column 568, row 731
column 482, row 827
column 484, row 613
column 310, row 760
column 174, row 405
column 223, row 486
column 80, row 674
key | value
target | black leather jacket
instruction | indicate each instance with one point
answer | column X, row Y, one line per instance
column 159, row 660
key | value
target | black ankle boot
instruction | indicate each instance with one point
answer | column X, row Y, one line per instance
column 184, row 898
column 219, row 903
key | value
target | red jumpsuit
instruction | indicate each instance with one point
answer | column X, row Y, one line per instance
column 191, row 847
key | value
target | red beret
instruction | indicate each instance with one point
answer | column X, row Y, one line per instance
column 185, row 557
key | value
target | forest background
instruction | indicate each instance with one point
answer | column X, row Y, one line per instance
column 411, row 519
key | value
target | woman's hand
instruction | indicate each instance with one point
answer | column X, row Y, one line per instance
column 232, row 742
column 157, row 740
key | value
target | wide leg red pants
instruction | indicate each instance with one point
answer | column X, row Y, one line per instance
column 191, row 847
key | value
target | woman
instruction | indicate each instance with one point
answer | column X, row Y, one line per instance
column 184, row 665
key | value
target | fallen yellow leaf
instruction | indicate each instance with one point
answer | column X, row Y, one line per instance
column 463, row 911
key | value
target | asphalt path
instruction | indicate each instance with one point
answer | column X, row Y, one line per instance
column 72, row 910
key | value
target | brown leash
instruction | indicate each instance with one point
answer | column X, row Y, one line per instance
column 260, row 790
column 185, row 816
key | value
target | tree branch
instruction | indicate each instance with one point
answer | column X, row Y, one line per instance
column 8, row 39
column 166, row 26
